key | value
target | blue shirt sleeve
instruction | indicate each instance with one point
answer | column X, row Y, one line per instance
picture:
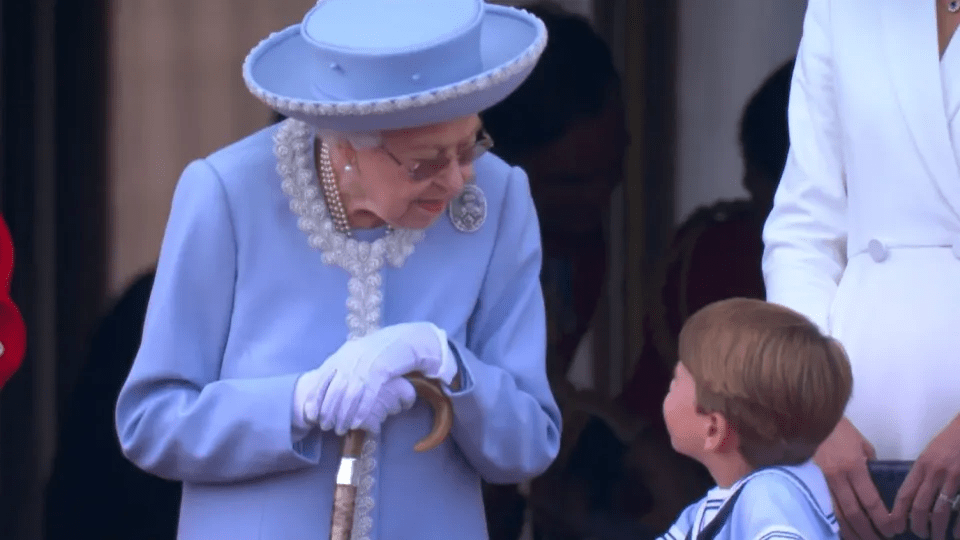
column 507, row 420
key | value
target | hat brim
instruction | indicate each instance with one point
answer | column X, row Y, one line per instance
column 511, row 43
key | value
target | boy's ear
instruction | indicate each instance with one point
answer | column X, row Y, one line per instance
column 720, row 437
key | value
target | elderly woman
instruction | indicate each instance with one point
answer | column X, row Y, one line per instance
column 307, row 268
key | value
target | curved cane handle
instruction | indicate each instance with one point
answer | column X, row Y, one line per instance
column 345, row 493
column 431, row 391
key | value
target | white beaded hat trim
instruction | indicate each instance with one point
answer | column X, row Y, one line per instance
column 481, row 82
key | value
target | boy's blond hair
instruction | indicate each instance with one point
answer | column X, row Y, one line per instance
column 780, row 383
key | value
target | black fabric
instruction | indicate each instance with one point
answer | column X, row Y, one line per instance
column 713, row 528
column 94, row 492
column 888, row 476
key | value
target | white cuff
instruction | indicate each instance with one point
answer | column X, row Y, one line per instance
column 448, row 364
column 300, row 394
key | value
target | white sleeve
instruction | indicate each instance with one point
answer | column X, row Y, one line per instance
column 805, row 235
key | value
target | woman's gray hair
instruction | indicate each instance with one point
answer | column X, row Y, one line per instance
column 358, row 140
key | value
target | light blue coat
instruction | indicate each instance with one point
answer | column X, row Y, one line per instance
column 242, row 305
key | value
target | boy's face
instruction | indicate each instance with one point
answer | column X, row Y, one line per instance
column 685, row 424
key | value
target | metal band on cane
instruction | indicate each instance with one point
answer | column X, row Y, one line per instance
column 348, row 474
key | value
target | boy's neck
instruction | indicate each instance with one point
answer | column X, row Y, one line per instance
column 727, row 468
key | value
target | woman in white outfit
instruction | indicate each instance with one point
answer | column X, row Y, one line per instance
column 864, row 239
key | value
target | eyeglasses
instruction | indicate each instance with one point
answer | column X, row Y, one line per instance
column 423, row 169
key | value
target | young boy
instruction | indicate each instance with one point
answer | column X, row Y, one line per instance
column 756, row 390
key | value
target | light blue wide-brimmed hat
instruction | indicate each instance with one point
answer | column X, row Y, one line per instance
column 371, row 65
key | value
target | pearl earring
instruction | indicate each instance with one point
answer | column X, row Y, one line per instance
column 347, row 168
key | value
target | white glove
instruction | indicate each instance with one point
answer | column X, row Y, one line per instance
column 389, row 353
column 395, row 396
column 347, row 390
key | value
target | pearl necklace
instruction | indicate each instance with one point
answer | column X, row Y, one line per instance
column 332, row 193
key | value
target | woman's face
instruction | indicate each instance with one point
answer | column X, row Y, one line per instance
column 382, row 187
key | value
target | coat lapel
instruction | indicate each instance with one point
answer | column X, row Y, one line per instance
column 910, row 43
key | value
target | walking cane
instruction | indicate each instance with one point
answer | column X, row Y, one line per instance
column 345, row 495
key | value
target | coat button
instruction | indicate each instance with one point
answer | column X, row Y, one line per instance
column 878, row 251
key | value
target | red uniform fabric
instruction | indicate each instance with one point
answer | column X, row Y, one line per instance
column 13, row 332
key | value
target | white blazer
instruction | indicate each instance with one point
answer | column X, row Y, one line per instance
column 864, row 237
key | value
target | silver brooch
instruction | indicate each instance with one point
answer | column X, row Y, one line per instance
column 469, row 210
